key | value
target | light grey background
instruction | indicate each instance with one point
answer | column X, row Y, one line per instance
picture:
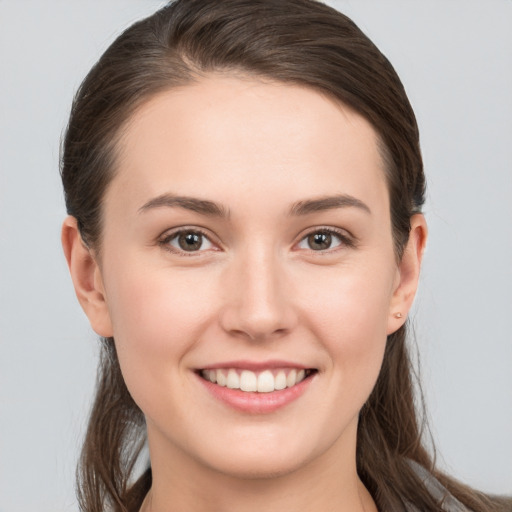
column 455, row 59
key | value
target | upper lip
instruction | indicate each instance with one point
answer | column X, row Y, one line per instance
column 255, row 366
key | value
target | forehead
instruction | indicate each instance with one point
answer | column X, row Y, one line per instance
column 252, row 135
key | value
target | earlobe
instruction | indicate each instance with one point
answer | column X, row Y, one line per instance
column 408, row 273
column 86, row 276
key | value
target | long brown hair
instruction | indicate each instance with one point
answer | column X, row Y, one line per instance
column 292, row 41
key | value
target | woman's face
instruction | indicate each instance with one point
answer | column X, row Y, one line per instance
column 247, row 240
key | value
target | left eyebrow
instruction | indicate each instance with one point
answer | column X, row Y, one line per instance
column 201, row 206
column 328, row 203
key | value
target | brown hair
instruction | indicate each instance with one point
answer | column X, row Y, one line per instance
column 292, row 41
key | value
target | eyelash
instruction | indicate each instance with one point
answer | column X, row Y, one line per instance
column 345, row 239
column 169, row 237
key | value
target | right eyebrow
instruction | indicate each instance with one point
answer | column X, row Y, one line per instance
column 309, row 206
column 202, row 206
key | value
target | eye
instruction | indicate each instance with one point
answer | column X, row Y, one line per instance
column 323, row 240
column 187, row 241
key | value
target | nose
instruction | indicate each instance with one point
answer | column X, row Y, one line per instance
column 258, row 302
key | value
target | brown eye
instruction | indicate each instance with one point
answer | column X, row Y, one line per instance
column 319, row 241
column 323, row 240
column 188, row 241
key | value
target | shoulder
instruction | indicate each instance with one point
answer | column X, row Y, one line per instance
column 448, row 502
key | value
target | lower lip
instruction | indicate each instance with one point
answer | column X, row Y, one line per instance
column 257, row 403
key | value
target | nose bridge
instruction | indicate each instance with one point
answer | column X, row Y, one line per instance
column 258, row 305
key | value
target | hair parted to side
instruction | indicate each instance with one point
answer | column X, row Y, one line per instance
column 301, row 42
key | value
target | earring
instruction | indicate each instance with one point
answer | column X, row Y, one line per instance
column 398, row 315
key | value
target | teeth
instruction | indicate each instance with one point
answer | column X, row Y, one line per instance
column 233, row 380
column 280, row 380
column 248, row 381
column 291, row 379
column 220, row 377
column 264, row 382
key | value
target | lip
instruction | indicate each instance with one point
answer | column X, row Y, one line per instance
column 253, row 402
column 255, row 366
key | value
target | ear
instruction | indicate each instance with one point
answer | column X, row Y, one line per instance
column 408, row 274
column 86, row 275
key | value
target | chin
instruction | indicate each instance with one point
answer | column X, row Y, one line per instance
column 261, row 457
column 262, row 467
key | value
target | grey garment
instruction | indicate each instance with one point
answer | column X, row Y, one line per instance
column 448, row 502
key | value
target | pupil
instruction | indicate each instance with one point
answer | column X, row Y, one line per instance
column 190, row 241
column 319, row 241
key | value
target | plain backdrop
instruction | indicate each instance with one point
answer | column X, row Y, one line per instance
column 455, row 59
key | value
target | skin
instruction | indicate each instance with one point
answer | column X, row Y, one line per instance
column 255, row 291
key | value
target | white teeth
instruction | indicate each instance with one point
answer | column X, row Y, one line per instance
column 291, row 379
column 221, row 377
column 246, row 380
column 233, row 380
column 266, row 382
column 280, row 380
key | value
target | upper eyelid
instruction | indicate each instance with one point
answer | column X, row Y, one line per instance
column 172, row 232
column 330, row 229
column 342, row 233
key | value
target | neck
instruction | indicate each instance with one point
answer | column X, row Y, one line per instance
column 327, row 484
column 255, row 501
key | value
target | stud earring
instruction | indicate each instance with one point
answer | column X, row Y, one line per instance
column 398, row 315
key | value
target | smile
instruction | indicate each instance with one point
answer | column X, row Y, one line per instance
column 266, row 381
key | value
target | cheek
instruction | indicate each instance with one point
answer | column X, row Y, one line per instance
column 349, row 315
column 150, row 304
column 347, row 302
column 157, row 316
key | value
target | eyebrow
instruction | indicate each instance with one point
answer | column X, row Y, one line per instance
column 328, row 203
column 212, row 209
column 202, row 206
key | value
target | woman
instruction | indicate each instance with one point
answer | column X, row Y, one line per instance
column 244, row 184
